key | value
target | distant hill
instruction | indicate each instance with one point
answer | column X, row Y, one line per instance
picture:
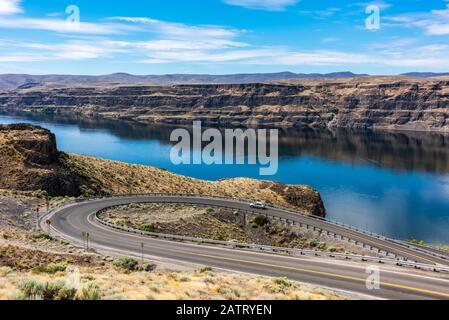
column 425, row 74
column 24, row 81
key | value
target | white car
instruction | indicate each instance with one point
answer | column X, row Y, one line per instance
column 258, row 205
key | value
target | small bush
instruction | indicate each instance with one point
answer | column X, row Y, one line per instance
column 129, row 264
column 147, row 227
column 52, row 268
column 219, row 237
column 147, row 267
column 30, row 289
column 313, row 243
column 90, row 291
column 283, row 282
column 418, row 242
column 206, row 269
column 58, row 291
column 261, row 221
column 4, row 271
column 42, row 235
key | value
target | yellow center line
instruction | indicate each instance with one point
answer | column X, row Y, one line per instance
column 388, row 284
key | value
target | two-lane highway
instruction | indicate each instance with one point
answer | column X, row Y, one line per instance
column 71, row 221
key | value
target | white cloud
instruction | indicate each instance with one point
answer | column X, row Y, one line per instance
column 182, row 31
column 434, row 23
column 60, row 25
column 69, row 50
column 10, row 7
column 329, row 12
column 271, row 5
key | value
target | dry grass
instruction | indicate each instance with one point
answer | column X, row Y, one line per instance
column 208, row 285
column 114, row 177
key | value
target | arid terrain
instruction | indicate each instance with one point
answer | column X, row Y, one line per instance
column 391, row 103
column 37, row 265
column 223, row 224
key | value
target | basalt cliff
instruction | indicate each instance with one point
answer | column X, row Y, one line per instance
column 393, row 103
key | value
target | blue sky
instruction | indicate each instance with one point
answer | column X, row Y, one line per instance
column 222, row 36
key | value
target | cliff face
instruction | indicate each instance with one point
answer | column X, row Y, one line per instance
column 405, row 104
column 29, row 161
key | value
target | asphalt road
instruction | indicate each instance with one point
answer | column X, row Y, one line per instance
column 71, row 221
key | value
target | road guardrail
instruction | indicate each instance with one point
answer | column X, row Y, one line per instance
column 288, row 210
column 292, row 251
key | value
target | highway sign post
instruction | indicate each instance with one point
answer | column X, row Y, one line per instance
column 37, row 218
column 84, row 240
column 142, row 246
column 87, row 241
column 48, row 222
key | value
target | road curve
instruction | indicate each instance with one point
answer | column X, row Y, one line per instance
column 71, row 221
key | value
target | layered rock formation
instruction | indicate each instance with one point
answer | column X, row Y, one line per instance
column 387, row 103
column 29, row 161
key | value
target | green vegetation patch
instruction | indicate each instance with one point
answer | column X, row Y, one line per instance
column 51, row 268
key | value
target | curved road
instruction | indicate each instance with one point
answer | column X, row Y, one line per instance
column 71, row 221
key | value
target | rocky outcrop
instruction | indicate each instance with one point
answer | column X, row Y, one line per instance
column 29, row 161
column 398, row 103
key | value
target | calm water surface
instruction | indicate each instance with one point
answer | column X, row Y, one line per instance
column 395, row 184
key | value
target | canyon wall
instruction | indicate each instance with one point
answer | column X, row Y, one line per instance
column 378, row 103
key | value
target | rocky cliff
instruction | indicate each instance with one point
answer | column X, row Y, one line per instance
column 29, row 161
column 385, row 103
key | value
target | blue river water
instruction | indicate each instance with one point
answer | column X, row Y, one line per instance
column 396, row 184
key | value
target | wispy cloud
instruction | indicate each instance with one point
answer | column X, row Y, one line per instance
column 10, row 7
column 271, row 5
column 321, row 14
column 181, row 30
column 61, row 26
column 435, row 22
column 66, row 51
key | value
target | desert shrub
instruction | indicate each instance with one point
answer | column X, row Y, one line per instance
column 261, row 221
column 42, row 235
column 147, row 227
column 313, row 243
column 283, row 282
column 90, row 291
column 321, row 245
column 219, row 237
column 58, row 291
column 206, row 269
column 147, row 267
column 418, row 242
column 31, row 289
column 229, row 293
column 4, row 271
column 52, row 268
column 127, row 263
